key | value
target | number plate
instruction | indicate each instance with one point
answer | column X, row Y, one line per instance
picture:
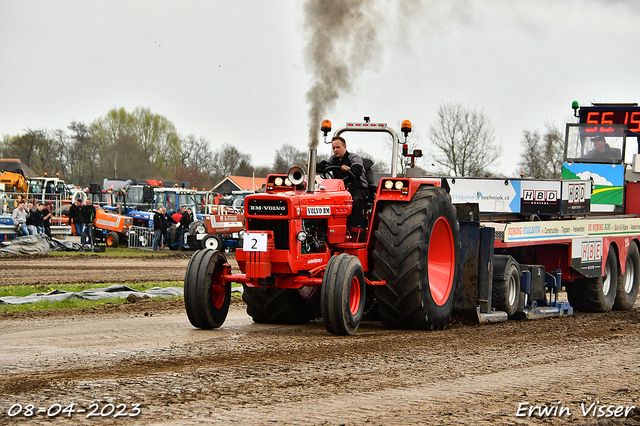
column 254, row 242
column 318, row 211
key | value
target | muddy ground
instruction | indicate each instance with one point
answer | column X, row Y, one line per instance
column 244, row 373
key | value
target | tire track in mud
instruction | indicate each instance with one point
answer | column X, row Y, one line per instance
column 273, row 371
column 49, row 270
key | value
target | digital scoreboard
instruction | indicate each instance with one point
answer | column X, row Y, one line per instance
column 627, row 114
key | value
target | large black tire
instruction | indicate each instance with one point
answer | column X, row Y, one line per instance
column 343, row 294
column 596, row 294
column 212, row 241
column 282, row 305
column 505, row 294
column 417, row 251
column 174, row 238
column 206, row 294
column 112, row 239
column 629, row 283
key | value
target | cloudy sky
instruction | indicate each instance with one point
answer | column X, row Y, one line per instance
column 236, row 72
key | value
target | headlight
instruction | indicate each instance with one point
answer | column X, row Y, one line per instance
column 399, row 185
column 287, row 182
column 388, row 184
column 278, row 181
column 200, row 229
column 241, row 233
column 302, row 236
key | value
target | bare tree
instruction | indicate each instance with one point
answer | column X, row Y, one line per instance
column 227, row 160
column 465, row 139
column 554, row 151
column 543, row 155
column 195, row 162
column 287, row 157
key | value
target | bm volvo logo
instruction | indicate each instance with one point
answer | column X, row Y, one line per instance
column 267, row 207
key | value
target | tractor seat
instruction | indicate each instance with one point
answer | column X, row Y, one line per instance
column 368, row 170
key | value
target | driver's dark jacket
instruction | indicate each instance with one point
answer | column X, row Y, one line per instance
column 353, row 161
column 608, row 154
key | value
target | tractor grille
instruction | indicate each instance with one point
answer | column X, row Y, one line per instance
column 280, row 228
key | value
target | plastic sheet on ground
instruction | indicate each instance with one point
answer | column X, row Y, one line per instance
column 41, row 244
column 28, row 244
column 112, row 292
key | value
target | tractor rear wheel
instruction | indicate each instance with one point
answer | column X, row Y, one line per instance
column 206, row 294
column 596, row 294
column 628, row 285
column 112, row 239
column 343, row 294
column 282, row 305
column 417, row 252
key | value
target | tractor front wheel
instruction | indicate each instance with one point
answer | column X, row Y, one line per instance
column 343, row 294
column 206, row 294
column 212, row 242
column 112, row 239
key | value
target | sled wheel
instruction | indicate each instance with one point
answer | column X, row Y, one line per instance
column 206, row 294
column 342, row 295
column 112, row 239
column 629, row 283
column 416, row 251
column 212, row 242
column 596, row 294
column 505, row 293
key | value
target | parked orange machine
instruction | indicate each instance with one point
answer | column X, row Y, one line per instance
column 112, row 227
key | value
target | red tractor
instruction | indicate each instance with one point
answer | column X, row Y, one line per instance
column 299, row 261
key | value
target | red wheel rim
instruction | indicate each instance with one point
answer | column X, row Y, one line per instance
column 354, row 296
column 218, row 291
column 441, row 261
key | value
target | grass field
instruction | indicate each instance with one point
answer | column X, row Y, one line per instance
column 26, row 290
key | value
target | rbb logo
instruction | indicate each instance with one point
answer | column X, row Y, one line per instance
column 577, row 192
column 540, row 196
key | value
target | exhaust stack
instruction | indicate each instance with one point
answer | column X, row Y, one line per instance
column 311, row 172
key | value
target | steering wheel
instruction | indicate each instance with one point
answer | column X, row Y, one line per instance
column 331, row 171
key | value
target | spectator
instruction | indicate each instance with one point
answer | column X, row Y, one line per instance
column 158, row 223
column 19, row 216
column 176, row 216
column 38, row 218
column 185, row 221
column 88, row 216
column 47, row 213
column 167, row 221
column 75, row 217
column 31, row 216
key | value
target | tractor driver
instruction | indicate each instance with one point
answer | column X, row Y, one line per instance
column 602, row 151
column 345, row 164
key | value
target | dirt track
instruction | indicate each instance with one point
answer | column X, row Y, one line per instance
column 246, row 373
